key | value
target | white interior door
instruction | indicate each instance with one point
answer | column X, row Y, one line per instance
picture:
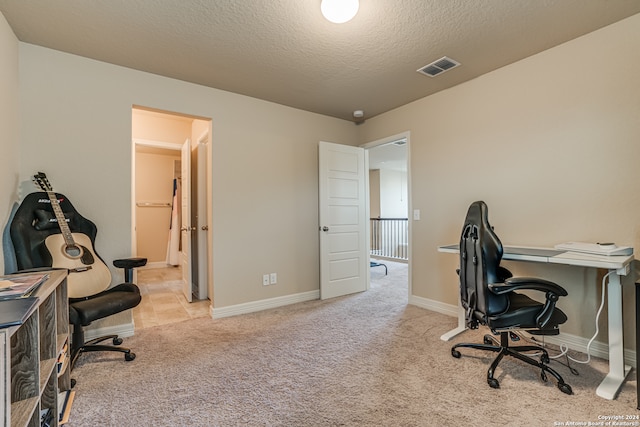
column 185, row 226
column 202, row 227
column 344, row 255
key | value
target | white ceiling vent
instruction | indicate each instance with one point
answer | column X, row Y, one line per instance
column 438, row 67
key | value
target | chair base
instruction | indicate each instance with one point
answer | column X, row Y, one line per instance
column 379, row 264
column 94, row 345
column 503, row 349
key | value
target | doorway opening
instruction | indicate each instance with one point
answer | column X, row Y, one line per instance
column 389, row 206
column 171, row 215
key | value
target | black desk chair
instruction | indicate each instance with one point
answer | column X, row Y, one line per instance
column 39, row 243
column 488, row 295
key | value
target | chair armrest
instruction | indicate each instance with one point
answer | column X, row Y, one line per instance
column 553, row 292
column 527, row 283
column 129, row 264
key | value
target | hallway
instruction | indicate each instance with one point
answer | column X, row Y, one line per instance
column 162, row 299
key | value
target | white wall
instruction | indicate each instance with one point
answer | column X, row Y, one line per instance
column 551, row 143
column 393, row 194
column 76, row 121
column 156, row 126
column 9, row 123
column 374, row 193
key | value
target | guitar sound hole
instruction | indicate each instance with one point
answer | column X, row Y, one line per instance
column 73, row 251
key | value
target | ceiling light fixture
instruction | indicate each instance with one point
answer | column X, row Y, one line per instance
column 339, row 11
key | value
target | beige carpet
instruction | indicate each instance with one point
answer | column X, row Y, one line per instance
column 363, row 360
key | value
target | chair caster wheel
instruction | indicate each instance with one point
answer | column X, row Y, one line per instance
column 487, row 340
column 455, row 353
column 117, row 341
column 565, row 388
column 493, row 383
column 129, row 356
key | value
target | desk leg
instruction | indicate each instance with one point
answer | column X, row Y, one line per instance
column 618, row 371
column 462, row 324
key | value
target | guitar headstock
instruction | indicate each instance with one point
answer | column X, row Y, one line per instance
column 41, row 181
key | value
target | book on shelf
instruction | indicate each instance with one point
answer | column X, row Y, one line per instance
column 63, row 358
column 46, row 418
column 65, row 400
column 20, row 285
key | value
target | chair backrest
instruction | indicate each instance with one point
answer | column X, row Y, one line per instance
column 35, row 220
column 480, row 256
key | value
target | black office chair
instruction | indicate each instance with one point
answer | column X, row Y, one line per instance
column 34, row 230
column 488, row 295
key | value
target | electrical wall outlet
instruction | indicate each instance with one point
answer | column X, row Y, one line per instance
column 273, row 278
column 265, row 280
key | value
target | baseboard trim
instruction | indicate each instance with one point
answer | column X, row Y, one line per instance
column 123, row 330
column 573, row 342
column 432, row 305
column 252, row 307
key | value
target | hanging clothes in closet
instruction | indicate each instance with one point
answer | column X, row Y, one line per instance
column 173, row 247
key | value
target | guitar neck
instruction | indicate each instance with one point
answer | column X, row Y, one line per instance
column 62, row 221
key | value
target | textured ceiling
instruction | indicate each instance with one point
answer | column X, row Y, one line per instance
column 284, row 51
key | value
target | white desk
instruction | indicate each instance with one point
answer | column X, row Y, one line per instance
column 618, row 265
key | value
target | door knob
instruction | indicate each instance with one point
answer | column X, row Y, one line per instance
column 325, row 228
column 205, row 227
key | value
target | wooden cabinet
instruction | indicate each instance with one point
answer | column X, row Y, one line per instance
column 35, row 369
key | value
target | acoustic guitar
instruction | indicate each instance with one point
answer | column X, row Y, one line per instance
column 88, row 275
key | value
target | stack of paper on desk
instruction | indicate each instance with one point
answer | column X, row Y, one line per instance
column 608, row 249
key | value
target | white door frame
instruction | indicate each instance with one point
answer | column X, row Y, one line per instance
column 403, row 135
